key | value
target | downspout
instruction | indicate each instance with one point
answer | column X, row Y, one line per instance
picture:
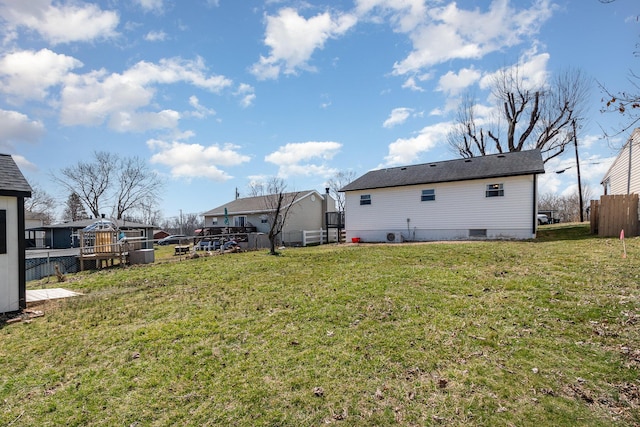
column 629, row 170
column 325, row 208
column 535, row 203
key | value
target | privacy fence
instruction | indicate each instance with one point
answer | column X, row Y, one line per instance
column 614, row 213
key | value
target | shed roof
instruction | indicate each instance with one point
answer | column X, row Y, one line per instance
column 492, row 166
column 258, row 204
column 12, row 182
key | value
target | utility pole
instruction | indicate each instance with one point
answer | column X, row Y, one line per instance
column 575, row 141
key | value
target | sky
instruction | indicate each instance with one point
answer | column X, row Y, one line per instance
column 217, row 94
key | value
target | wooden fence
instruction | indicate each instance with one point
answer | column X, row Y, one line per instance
column 614, row 213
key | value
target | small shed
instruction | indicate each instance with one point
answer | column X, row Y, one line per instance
column 14, row 188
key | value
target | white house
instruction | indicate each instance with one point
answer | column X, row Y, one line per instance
column 13, row 190
column 492, row 197
column 307, row 212
column 623, row 177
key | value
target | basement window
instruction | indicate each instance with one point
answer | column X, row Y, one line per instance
column 478, row 232
column 428, row 195
column 494, row 190
column 365, row 199
column 3, row 232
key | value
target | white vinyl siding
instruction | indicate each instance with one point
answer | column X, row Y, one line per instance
column 460, row 206
column 618, row 175
column 9, row 261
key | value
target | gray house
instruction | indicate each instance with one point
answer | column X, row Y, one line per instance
column 14, row 188
column 491, row 197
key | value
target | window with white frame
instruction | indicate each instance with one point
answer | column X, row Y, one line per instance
column 239, row 221
column 365, row 199
column 428, row 195
column 214, row 221
column 494, row 190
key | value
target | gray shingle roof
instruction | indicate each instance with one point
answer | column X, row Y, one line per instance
column 492, row 166
column 252, row 205
column 12, row 182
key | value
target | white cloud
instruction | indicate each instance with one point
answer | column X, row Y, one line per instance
column 299, row 158
column 195, row 160
column 407, row 150
column 449, row 32
column 155, row 36
column 16, row 127
column 454, row 83
column 199, row 110
column 405, row 15
column 125, row 121
column 59, row 23
column 411, row 84
column 397, row 117
column 150, row 5
column 247, row 95
column 96, row 97
column 29, row 75
column 293, row 39
column 531, row 70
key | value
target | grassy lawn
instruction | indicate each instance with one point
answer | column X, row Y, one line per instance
column 542, row 333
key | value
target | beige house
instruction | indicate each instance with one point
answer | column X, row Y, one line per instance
column 306, row 213
column 623, row 177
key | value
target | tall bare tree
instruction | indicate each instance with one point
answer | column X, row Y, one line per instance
column 125, row 183
column 41, row 203
column 136, row 185
column 338, row 181
column 528, row 116
column 90, row 179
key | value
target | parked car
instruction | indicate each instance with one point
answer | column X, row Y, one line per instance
column 174, row 239
column 543, row 219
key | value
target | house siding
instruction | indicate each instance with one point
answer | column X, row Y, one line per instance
column 10, row 261
column 458, row 208
column 618, row 176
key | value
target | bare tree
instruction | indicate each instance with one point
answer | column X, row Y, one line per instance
column 625, row 103
column 127, row 183
column 136, row 185
column 41, row 203
column 337, row 182
column 277, row 203
column 529, row 116
column 90, row 180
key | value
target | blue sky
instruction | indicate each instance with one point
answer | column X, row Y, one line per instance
column 215, row 94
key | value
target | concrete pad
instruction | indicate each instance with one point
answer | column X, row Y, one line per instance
column 36, row 295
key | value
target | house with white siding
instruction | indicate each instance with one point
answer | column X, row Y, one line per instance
column 488, row 197
column 307, row 211
column 623, row 177
column 14, row 188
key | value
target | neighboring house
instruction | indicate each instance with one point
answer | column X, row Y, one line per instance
column 623, row 177
column 66, row 235
column 34, row 220
column 307, row 213
column 492, row 197
column 14, row 188
column 159, row 234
